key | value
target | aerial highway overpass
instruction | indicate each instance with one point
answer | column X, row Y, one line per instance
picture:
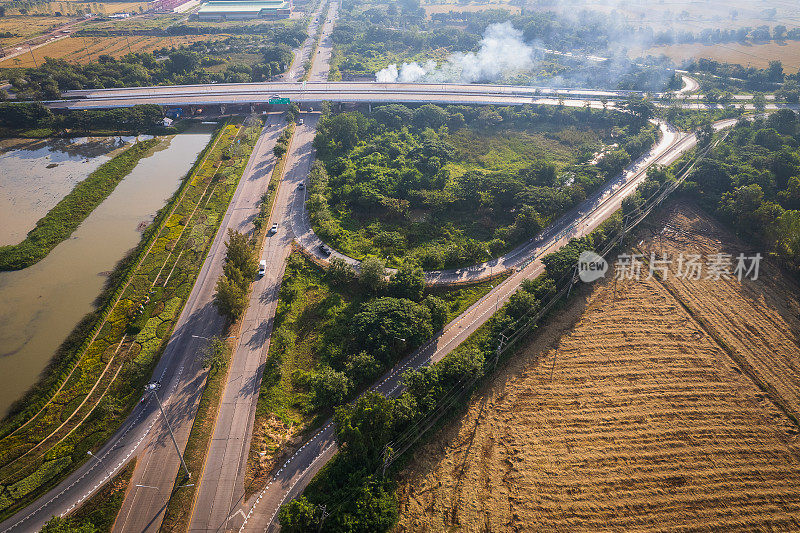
column 259, row 94
column 144, row 432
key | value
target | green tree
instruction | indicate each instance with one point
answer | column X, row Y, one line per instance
column 759, row 102
column 386, row 326
column 339, row 272
column 429, row 116
column 784, row 121
column 299, row 516
column 775, row 71
column 229, row 299
column 330, row 387
column 241, row 255
column 182, row 61
column 408, row 282
column 438, row 309
column 373, row 274
column 521, row 303
column 364, row 427
column 362, row 367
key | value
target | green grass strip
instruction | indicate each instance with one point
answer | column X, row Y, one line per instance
column 61, row 221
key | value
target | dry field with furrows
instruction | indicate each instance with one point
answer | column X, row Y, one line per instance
column 636, row 408
column 88, row 49
column 755, row 55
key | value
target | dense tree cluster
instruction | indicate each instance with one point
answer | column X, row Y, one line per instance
column 368, row 337
column 752, row 181
column 389, row 172
column 25, row 116
column 178, row 66
column 239, row 270
column 722, row 77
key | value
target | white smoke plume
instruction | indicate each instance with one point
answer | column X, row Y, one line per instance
column 502, row 52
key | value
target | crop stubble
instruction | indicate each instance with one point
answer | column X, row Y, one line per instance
column 647, row 422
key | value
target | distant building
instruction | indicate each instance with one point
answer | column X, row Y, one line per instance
column 238, row 10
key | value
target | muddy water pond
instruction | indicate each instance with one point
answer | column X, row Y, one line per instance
column 41, row 304
column 36, row 174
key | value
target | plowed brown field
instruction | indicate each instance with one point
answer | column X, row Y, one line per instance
column 652, row 405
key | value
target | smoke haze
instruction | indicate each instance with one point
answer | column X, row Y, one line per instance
column 502, row 52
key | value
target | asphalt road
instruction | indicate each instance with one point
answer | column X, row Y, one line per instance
column 351, row 92
column 158, row 464
column 295, row 474
column 308, row 239
column 179, row 368
column 222, row 488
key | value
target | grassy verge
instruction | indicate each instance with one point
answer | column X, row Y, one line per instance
column 59, row 223
column 309, row 308
column 83, row 400
column 179, row 510
column 100, row 511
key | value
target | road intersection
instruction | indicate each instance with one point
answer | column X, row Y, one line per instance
column 220, row 500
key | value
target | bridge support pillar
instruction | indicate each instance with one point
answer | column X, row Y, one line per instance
column 222, row 109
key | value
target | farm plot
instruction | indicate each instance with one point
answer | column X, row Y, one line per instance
column 749, row 54
column 22, row 27
column 87, row 49
column 626, row 413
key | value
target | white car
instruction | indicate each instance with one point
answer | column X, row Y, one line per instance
column 262, row 267
column 273, row 229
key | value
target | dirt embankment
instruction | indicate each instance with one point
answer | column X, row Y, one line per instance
column 636, row 409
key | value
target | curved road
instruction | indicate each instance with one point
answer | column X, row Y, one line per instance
column 308, row 239
column 179, row 369
column 293, row 476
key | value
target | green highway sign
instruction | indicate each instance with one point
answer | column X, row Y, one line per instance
column 284, row 101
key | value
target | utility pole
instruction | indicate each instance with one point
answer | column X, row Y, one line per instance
column 325, row 515
column 32, row 56
column 152, row 388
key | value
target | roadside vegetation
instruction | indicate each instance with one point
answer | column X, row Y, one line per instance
column 335, row 332
column 751, row 181
column 59, row 223
column 97, row 376
column 34, row 120
column 98, row 513
column 446, row 187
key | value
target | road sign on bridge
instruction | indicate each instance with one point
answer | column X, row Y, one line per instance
column 284, row 101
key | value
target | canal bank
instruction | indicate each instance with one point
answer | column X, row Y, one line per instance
column 44, row 302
